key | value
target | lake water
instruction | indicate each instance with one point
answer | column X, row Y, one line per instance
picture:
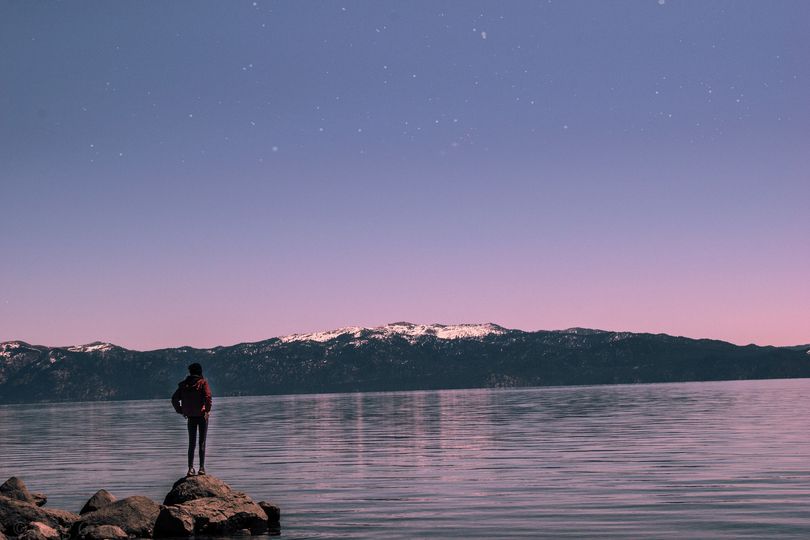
column 709, row 460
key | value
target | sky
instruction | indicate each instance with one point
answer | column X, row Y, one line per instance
column 206, row 173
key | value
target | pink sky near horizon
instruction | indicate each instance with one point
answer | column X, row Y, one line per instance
column 175, row 315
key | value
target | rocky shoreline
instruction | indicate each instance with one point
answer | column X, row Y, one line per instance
column 195, row 506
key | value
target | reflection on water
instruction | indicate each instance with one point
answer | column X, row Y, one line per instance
column 723, row 459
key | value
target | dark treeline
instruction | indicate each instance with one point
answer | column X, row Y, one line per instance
column 347, row 363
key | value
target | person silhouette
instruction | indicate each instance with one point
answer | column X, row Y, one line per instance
column 193, row 400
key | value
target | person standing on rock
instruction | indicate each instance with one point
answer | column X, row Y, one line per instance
column 192, row 399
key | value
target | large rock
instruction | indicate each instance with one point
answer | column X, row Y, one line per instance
column 101, row 532
column 207, row 506
column 135, row 515
column 99, row 500
column 215, row 516
column 197, row 487
column 14, row 488
column 16, row 514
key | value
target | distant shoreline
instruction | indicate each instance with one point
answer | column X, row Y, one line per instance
column 387, row 359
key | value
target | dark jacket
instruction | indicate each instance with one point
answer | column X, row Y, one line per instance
column 192, row 397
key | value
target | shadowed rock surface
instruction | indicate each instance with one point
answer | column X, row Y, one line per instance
column 14, row 488
column 99, row 500
column 135, row 515
column 15, row 513
column 273, row 512
column 174, row 522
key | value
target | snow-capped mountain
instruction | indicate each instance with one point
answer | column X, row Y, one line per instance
column 96, row 346
column 403, row 329
column 9, row 348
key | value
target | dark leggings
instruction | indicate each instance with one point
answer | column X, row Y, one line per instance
column 193, row 423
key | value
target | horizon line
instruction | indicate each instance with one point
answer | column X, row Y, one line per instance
column 399, row 323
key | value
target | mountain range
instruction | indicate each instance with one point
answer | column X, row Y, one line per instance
column 398, row 356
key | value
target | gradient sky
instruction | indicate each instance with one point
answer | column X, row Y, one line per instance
column 204, row 173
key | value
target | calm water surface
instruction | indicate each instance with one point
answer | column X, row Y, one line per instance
column 709, row 460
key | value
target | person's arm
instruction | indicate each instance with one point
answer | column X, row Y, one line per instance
column 208, row 400
column 176, row 401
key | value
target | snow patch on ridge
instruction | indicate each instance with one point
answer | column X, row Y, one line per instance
column 323, row 336
column 96, row 346
column 7, row 348
column 440, row 331
column 403, row 329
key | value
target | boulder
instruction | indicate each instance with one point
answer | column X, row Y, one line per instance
column 99, row 500
column 273, row 512
column 101, row 532
column 135, row 515
column 207, row 506
column 217, row 516
column 14, row 488
column 197, row 487
column 16, row 514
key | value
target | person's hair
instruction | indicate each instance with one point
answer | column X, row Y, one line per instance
column 195, row 369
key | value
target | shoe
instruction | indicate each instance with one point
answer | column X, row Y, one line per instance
column 191, row 472
column 202, row 471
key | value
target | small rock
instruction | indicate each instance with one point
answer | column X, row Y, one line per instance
column 44, row 531
column 99, row 500
column 32, row 534
column 101, row 532
column 242, row 532
column 197, row 487
column 273, row 512
column 135, row 515
column 2, row 536
column 39, row 499
column 174, row 522
column 14, row 488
